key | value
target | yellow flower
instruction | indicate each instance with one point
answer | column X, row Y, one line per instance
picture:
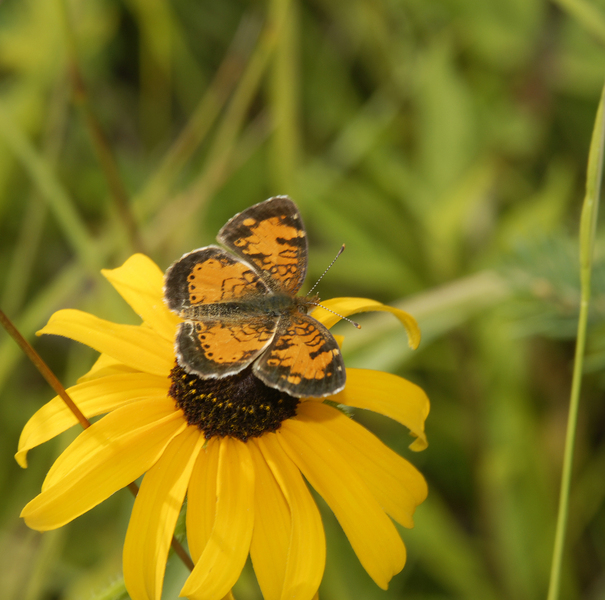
column 243, row 496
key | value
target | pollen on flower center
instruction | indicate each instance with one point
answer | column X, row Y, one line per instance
column 240, row 406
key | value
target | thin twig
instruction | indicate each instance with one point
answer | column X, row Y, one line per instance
column 99, row 140
column 43, row 368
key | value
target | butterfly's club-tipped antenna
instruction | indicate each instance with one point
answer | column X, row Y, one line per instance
column 321, row 305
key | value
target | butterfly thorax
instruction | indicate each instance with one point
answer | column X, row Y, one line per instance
column 272, row 305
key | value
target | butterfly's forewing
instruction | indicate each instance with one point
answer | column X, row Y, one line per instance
column 303, row 360
column 207, row 276
column 271, row 237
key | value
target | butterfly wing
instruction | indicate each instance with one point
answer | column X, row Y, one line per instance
column 219, row 348
column 207, row 288
column 272, row 238
column 303, row 360
column 209, row 276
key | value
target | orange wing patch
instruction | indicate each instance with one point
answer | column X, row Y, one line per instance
column 217, row 348
column 222, row 343
column 273, row 247
column 209, row 276
column 272, row 237
column 304, row 359
column 218, row 280
column 286, row 353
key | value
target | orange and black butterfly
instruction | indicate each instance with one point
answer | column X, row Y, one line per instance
column 240, row 306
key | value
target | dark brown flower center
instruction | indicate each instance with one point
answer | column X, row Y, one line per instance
column 240, row 406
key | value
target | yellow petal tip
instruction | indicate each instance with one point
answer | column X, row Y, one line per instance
column 21, row 458
column 419, row 444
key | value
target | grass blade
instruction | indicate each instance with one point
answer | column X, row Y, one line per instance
column 587, row 236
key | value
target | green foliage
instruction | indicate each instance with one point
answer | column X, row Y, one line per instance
column 444, row 142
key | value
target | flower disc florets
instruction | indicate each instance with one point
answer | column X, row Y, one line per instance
column 240, row 406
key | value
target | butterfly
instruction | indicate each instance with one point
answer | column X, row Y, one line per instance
column 239, row 306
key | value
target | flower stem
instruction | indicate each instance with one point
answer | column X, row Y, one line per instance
column 587, row 237
column 43, row 368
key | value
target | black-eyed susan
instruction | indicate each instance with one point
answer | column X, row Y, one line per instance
column 237, row 449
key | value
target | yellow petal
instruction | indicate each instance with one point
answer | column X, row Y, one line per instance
column 104, row 366
column 369, row 530
column 224, row 556
column 351, row 306
column 136, row 346
column 154, row 516
column 92, row 398
column 140, row 282
column 306, row 556
column 103, row 459
column 272, row 528
column 201, row 498
column 395, row 483
column 110, row 433
column 388, row 395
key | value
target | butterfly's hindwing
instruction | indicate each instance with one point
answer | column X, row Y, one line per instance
column 303, row 360
column 215, row 349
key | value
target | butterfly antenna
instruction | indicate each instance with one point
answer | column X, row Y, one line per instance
column 321, row 305
column 342, row 249
column 337, row 314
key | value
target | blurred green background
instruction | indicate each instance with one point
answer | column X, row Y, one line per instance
column 444, row 141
